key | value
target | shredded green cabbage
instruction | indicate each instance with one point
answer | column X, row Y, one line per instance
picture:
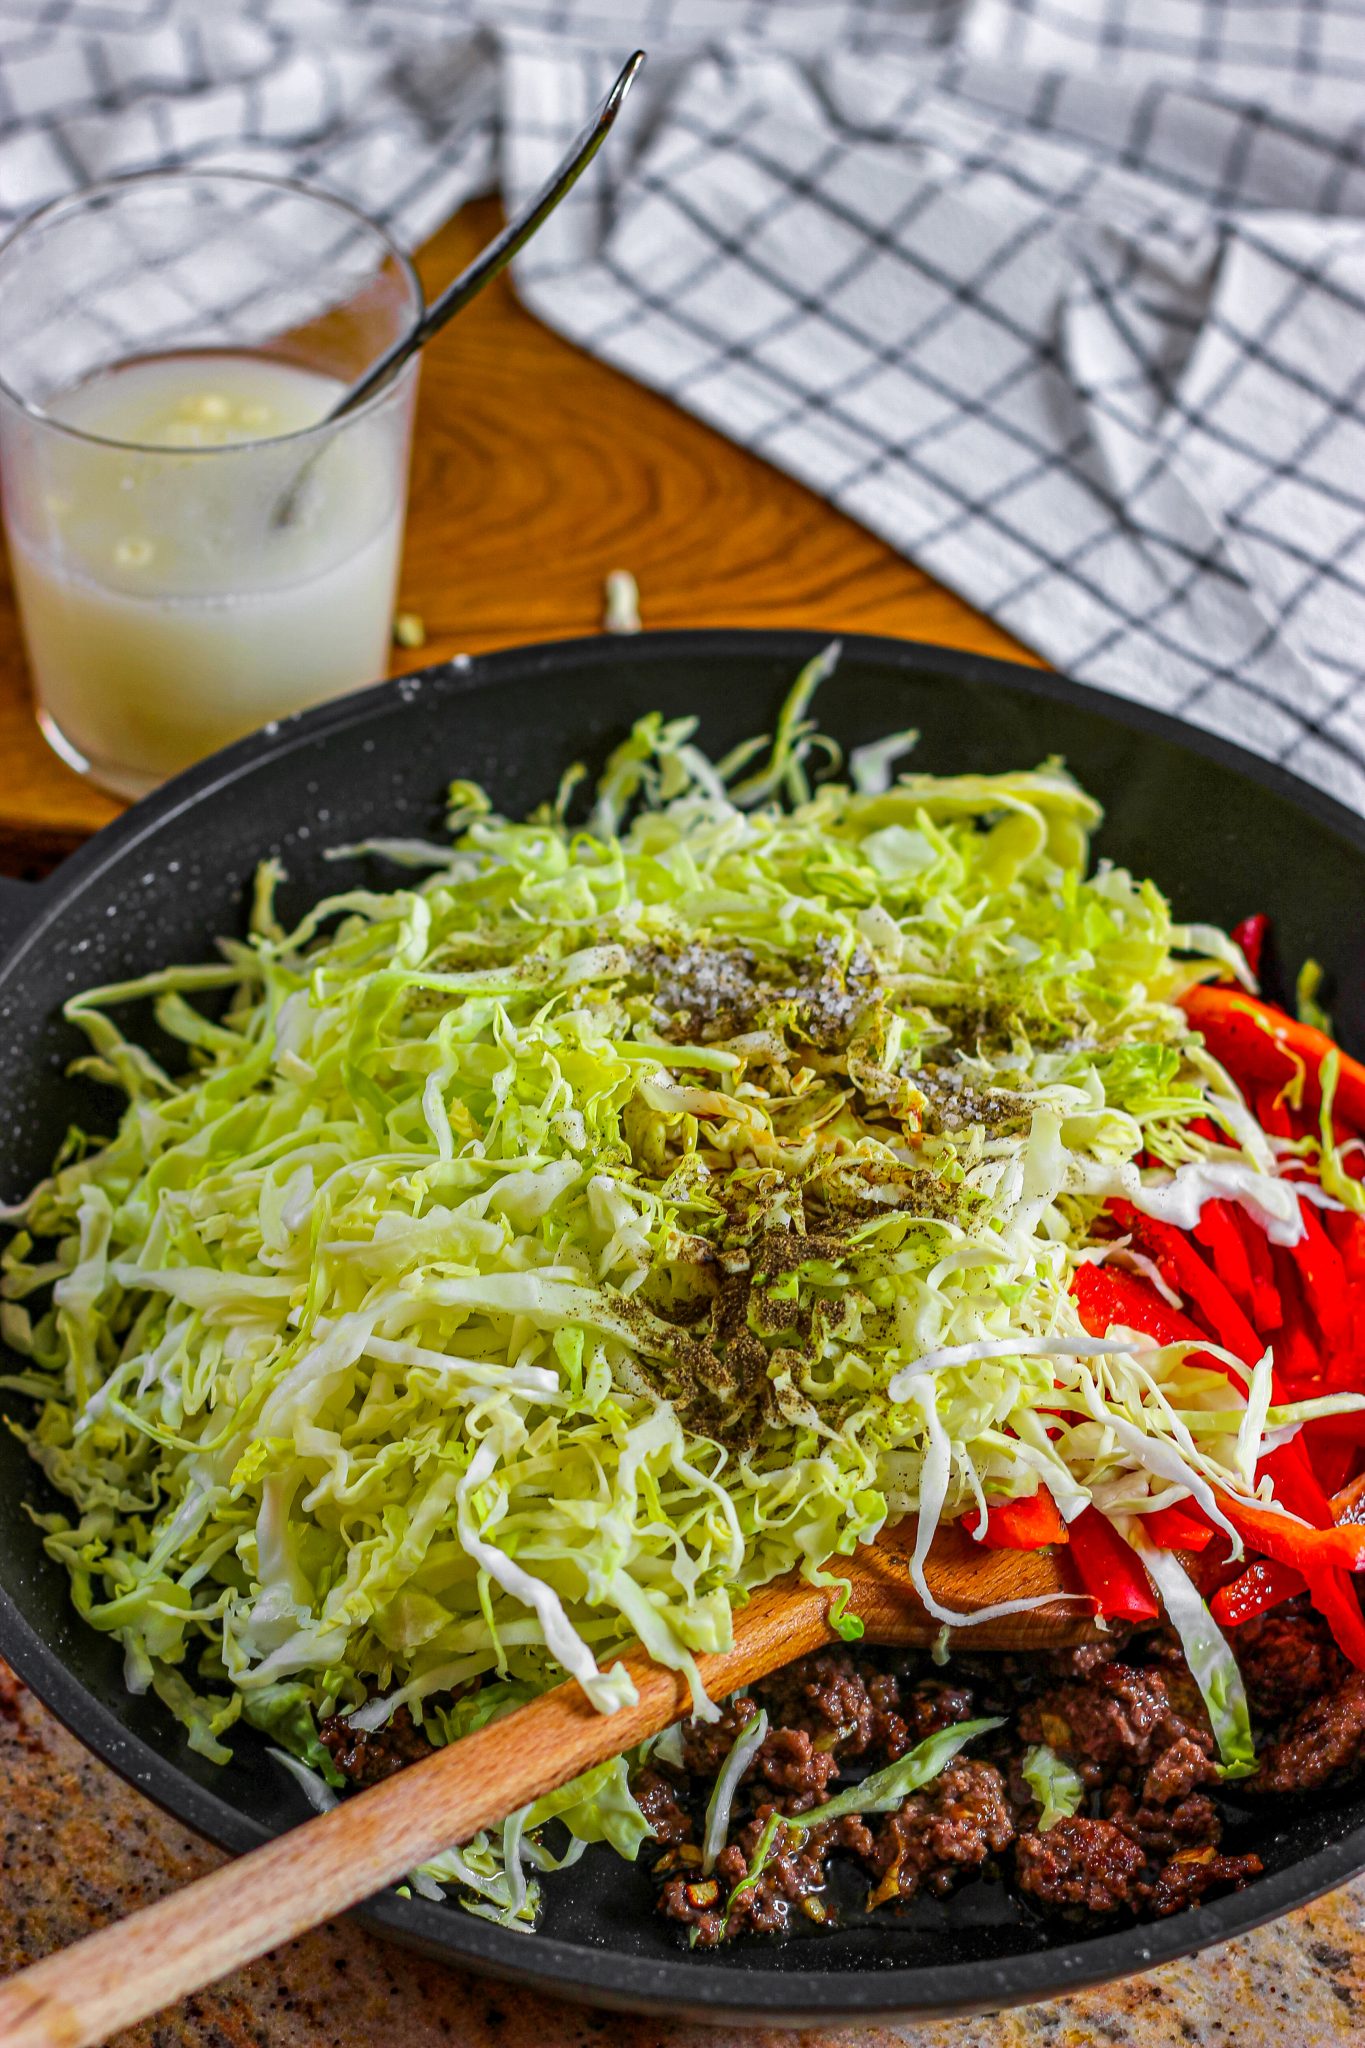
column 546, row 1252
column 1053, row 1783
column 880, row 1792
column 721, row 1803
column 1212, row 1664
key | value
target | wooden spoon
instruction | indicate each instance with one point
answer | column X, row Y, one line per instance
column 135, row 1967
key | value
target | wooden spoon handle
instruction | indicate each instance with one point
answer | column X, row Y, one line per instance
column 135, row 1967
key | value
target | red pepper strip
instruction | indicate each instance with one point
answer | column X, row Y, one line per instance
column 1217, row 1231
column 1263, row 1585
column 1334, row 1596
column 1297, row 1486
column 1267, row 1313
column 1176, row 1528
column 1026, row 1524
column 1347, row 1232
column 1104, row 1296
column 1203, row 1291
column 1254, row 1039
column 1334, row 1451
column 1110, row 1570
column 1251, row 936
column 1271, row 1113
column 1308, row 1550
column 1298, row 1355
column 1324, row 1281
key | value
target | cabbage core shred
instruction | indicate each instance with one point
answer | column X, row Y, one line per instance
column 546, row 1250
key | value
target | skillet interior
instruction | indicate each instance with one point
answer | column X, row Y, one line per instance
column 1223, row 834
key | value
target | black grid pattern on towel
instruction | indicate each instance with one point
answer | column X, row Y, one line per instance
column 1062, row 297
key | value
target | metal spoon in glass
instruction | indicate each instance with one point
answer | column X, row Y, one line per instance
column 471, row 281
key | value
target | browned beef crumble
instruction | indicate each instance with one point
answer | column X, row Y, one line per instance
column 1125, row 1713
column 706, row 1744
column 1191, row 1822
column 1325, row 1739
column 1193, row 1872
column 657, row 1798
column 1287, row 1658
column 1119, row 1719
column 789, row 1763
column 1079, row 1862
column 868, row 1708
column 366, row 1758
column 792, row 1880
column 955, row 1825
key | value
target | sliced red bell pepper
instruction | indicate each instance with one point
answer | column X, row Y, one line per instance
column 1177, row 1528
column 1203, row 1292
column 1256, row 1041
column 1298, row 1353
column 1297, row 1487
column 1266, row 1313
column 1347, row 1232
column 1335, row 1597
column 1324, row 1281
column 1251, row 935
column 1263, row 1585
column 1104, row 1295
column 1025, row 1524
column 1272, row 1112
column 1110, row 1569
column 1308, row 1550
column 1334, row 1444
column 1217, row 1231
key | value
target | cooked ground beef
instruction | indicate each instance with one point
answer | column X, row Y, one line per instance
column 1096, row 1866
column 832, row 1694
column 367, row 1758
column 1287, row 1657
column 793, row 1873
column 1124, row 1712
column 1325, row 1739
column 1161, row 1830
column 1080, row 1862
column 1178, row 1771
column 955, row 1825
column 706, row 1744
column 931, row 1706
column 797, row 1772
column 1082, row 1660
column 658, row 1799
column 859, row 1707
column 1119, row 1719
column 1188, row 1876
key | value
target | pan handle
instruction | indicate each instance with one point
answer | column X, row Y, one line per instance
column 20, row 903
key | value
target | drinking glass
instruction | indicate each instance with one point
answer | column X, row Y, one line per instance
column 195, row 549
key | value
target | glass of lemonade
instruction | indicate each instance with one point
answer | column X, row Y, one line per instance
column 195, row 550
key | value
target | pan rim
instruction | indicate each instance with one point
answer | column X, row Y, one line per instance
column 700, row 1988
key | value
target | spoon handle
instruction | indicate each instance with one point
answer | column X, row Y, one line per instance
column 500, row 251
column 80, row 1996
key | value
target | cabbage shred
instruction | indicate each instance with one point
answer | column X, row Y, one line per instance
column 546, row 1252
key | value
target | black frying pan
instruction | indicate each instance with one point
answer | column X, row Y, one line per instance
column 1223, row 833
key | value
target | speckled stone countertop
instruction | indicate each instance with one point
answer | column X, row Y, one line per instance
column 78, row 1847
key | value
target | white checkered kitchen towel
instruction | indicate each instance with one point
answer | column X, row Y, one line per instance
column 1065, row 298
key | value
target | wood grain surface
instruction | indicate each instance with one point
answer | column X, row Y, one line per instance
column 535, row 471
